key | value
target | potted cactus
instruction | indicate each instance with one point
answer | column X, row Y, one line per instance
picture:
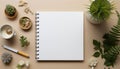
column 11, row 11
column 99, row 11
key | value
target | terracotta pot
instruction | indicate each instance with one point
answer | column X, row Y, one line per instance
column 11, row 17
column 24, row 27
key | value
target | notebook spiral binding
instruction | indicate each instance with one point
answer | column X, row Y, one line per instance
column 37, row 36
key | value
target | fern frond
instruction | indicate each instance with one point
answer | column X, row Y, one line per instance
column 114, row 50
column 112, row 38
column 111, row 55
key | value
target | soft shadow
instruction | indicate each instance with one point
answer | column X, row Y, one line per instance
column 59, row 61
column 11, row 41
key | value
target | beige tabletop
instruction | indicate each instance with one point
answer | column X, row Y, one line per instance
column 91, row 32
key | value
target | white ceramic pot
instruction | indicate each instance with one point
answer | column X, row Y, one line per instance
column 6, row 31
column 91, row 19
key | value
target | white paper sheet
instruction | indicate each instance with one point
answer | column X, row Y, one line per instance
column 60, row 36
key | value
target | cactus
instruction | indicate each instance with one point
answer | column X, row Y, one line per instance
column 10, row 10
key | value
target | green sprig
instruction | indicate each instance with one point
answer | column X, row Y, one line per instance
column 24, row 41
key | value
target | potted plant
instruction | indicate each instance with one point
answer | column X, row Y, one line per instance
column 25, row 23
column 11, row 11
column 99, row 11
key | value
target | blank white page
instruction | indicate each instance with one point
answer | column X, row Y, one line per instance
column 60, row 36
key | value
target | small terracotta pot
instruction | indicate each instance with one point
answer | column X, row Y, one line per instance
column 11, row 17
column 24, row 27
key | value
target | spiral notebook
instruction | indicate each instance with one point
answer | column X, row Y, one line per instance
column 59, row 36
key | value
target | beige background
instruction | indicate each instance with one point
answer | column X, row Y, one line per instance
column 91, row 32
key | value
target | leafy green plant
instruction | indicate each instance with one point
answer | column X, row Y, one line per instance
column 10, row 10
column 109, row 49
column 24, row 41
column 100, row 9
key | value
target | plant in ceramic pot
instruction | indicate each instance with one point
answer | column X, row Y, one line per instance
column 99, row 11
column 11, row 11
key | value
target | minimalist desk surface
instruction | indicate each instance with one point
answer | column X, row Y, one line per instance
column 91, row 32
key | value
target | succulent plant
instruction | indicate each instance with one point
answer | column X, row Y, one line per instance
column 10, row 10
column 6, row 58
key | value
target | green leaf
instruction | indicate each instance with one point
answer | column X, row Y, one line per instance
column 108, row 63
column 101, row 51
column 19, row 67
column 96, row 43
column 96, row 54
